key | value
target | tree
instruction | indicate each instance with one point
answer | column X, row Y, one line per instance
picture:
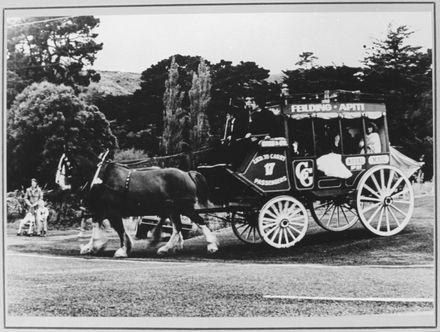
column 55, row 49
column 42, row 119
column 403, row 73
column 173, row 114
column 199, row 96
column 392, row 65
column 230, row 83
column 306, row 60
column 318, row 79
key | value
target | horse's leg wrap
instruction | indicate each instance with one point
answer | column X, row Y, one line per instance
column 126, row 243
column 125, row 250
column 210, row 238
column 174, row 244
column 97, row 242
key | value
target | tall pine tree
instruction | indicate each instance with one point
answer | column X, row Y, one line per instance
column 172, row 117
column 199, row 96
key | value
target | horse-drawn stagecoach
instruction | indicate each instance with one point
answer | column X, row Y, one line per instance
column 323, row 163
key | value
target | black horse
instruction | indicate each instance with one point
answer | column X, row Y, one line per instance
column 114, row 190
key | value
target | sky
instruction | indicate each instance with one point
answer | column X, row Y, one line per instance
column 132, row 43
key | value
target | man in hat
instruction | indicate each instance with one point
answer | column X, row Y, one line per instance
column 262, row 121
column 237, row 124
column 34, row 200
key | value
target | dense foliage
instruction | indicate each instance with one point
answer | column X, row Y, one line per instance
column 403, row 73
column 54, row 49
column 42, row 119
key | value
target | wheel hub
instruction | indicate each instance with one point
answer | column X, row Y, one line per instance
column 284, row 223
column 388, row 201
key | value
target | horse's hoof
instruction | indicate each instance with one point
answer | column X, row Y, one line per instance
column 212, row 249
column 84, row 250
column 162, row 251
column 120, row 253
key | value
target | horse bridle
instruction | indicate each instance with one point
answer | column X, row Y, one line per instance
column 84, row 180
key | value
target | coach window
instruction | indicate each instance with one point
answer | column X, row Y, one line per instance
column 301, row 137
column 327, row 136
column 352, row 135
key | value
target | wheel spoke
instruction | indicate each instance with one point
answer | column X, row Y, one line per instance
column 350, row 209
column 399, row 210
column 329, row 206
column 380, row 219
column 286, row 236
column 396, row 185
column 246, row 228
column 345, row 216
column 275, row 234
column 371, row 190
column 296, row 230
column 382, row 180
column 402, row 202
column 390, row 180
column 280, row 238
column 293, row 213
column 337, row 211
column 300, row 224
column 271, row 226
column 286, row 207
column 291, row 234
column 320, row 206
column 387, row 219
column 297, row 218
column 266, row 219
column 378, row 187
column 371, row 207
column 280, row 207
column 373, row 215
column 400, row 192
column 271, row 230
column 394, row 217
column 369, row 199
column 271, row 214
column 331, row 216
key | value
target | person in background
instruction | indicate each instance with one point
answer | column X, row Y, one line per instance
column 33, row 199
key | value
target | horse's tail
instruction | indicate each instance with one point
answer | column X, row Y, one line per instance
column 201, row 186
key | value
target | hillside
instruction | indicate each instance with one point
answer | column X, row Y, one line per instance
column 117, row 83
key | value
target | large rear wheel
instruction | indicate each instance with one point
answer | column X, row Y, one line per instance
column 282, row 221
column 384, row 200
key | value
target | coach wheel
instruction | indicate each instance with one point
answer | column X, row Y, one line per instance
column 385, row 200
column 245, row 226
column 334, row 215
column 282, row 221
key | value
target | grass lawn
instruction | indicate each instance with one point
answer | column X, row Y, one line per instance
column 414, row 245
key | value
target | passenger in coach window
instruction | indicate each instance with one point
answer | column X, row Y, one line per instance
column 373, row 144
